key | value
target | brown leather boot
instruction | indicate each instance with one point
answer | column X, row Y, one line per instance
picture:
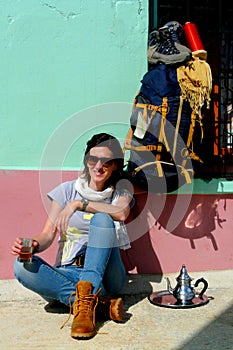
column 83, row 325
column 109, row 309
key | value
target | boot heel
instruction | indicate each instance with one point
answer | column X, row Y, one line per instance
column 109, row 309
column 116, row 309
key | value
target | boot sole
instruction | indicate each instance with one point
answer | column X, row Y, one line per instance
column 82, row 335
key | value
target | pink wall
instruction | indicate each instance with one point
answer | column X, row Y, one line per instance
column 202, row 240
column 201, row 235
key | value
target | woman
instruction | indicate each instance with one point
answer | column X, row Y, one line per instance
column 88, row 214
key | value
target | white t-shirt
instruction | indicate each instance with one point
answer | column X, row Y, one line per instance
column 73, row 242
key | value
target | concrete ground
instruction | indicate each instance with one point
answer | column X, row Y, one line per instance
column 25, row 324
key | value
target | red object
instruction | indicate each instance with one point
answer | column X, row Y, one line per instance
column 192, row 36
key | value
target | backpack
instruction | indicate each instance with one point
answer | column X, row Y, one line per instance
column 160, row 137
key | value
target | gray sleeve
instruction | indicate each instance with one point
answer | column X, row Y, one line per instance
column 61, row 194
column 125, row 192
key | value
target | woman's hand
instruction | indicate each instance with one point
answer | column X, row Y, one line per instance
column 17, row 247
column 61, row 222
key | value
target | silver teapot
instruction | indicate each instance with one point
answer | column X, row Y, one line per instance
column 184, row 292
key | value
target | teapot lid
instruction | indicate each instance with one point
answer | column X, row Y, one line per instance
column 183, row 274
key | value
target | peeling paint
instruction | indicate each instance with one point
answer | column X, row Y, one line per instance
column 69, row 15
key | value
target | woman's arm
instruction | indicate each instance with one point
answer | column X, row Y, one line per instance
column 119, row 211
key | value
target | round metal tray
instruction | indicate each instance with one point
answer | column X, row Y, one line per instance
column 165, row 299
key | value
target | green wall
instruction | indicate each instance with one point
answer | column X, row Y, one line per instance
column 67, row 67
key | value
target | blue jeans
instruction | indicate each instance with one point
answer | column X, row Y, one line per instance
column 103, row 266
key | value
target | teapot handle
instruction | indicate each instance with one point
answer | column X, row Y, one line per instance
column 204, row 288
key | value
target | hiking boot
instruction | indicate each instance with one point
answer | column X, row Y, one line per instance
column 109, row 309
column 83, row 325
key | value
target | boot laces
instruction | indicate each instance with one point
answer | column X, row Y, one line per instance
column 81, row 304
column 85, row 302
column 70, row 313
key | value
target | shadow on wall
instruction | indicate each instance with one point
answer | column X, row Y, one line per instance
column 151, row 213
column 199, row 221
column 141, row 258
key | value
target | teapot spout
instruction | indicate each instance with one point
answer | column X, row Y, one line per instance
column 169, row 287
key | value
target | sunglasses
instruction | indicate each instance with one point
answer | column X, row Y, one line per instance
column 106, row 162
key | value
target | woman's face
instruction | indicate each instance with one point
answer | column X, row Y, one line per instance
column 101, row 165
